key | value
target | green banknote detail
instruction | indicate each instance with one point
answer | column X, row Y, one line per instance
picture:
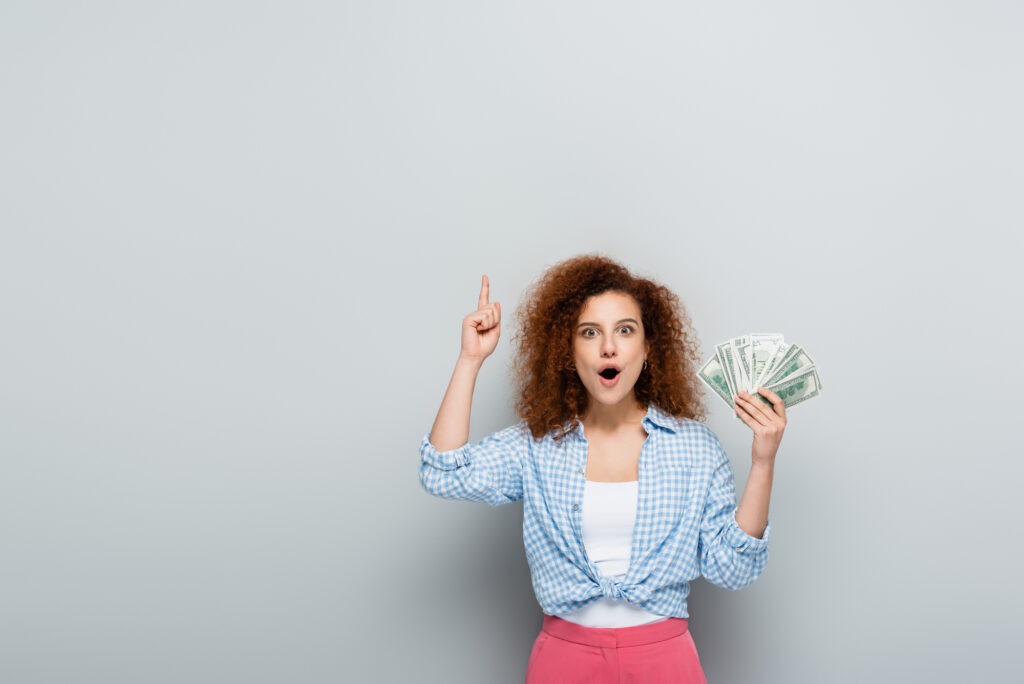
column 801, row 387
column 714, row 377
column 725, row 361
column 765, row 348
column 796, row 361
column 758, row 360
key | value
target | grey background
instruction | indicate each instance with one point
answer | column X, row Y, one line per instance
column 238, row 240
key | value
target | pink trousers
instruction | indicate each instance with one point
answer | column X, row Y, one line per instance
column 658, row 653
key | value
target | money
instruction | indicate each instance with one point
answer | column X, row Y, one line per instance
column 714, row 377
column 762, row 360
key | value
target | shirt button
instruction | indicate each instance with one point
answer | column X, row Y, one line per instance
column 575, row 507
column 581, row 471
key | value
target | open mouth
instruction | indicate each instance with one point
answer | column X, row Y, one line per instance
column 609, row 373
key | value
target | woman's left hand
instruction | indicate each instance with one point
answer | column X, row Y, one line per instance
column 767, row 422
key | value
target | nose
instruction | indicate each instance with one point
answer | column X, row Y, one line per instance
column 608, row 346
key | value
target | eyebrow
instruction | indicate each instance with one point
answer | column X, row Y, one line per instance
column 598, row 325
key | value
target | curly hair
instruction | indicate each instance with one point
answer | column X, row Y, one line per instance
column 550, row 392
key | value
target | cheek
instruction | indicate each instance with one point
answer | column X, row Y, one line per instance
column 579, row 356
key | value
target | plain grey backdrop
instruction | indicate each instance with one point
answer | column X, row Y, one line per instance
column 239, row 238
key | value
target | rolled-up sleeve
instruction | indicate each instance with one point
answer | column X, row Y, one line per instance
column 729, row 557
column 490, row 471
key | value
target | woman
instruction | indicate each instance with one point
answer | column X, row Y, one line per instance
column 626, row 496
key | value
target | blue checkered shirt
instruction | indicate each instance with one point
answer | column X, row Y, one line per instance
column 685, row 522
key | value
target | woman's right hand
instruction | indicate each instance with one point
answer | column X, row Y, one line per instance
column 480, row 329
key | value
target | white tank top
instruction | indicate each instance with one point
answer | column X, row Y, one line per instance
column 609, row 513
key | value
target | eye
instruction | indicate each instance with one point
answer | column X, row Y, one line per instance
column 627, row 328
column 587, row 330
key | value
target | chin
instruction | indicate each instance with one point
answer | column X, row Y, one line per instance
column 612, row 400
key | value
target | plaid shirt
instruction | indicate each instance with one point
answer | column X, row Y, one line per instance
column 685, row 522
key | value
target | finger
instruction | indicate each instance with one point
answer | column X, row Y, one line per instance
column 755, row 411
column 485, row 292
column 490, row 311
column 489, row 319
column 744, row 416
column 478, row 320
column 778, row 405
column 756, row 406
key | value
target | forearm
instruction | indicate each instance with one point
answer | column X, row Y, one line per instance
column 451, row 427
column 752, row 513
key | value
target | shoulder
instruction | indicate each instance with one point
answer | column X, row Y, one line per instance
column 516, row 437
column 518, row 432
column 692, row 443
column 694, row 429
column 679, row 426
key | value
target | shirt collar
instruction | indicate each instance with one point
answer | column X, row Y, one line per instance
column 655, row 416
column 662, row 419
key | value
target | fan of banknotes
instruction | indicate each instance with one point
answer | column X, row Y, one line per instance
column 762, row 360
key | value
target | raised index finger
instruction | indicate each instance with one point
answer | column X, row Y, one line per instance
column 485, row 291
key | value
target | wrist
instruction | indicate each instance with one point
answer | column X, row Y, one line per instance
column 474, row 362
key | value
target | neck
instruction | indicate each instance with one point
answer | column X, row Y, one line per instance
column 607, row 418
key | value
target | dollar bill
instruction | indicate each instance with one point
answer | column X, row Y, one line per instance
column 796, row 361
column 800, row 387
column 741, row 355
column 725, row 353
column 758, row 360
column 714, row 377
column 763, row 349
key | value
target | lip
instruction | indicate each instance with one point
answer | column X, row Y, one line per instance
column 614, row 381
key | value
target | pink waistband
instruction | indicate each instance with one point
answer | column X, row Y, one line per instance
column 611, row 637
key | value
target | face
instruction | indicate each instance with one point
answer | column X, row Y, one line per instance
column 609, row 333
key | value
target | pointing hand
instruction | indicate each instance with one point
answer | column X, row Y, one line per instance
column 480, row 329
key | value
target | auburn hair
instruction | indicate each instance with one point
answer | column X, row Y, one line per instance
column 551, row 395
